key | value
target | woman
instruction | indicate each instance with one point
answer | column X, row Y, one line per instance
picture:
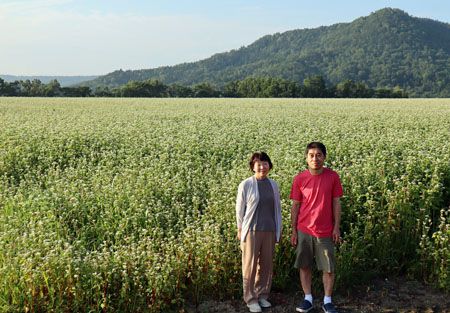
column 258, row 214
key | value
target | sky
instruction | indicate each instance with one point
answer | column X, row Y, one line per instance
column 96, row 37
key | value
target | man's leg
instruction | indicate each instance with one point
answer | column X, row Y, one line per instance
column 306, row 279
column 304, row 262
column 328, row 282
column 326, row 263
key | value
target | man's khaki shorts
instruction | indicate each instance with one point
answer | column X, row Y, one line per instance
column 309, row 247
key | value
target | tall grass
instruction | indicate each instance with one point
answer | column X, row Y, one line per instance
column 128, row 205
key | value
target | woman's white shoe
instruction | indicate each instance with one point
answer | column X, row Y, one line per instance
column 264, row 303
column 254, row 307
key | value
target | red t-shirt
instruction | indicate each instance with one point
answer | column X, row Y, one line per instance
column 316, row 193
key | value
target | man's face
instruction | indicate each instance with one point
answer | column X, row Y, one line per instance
column 315, row 159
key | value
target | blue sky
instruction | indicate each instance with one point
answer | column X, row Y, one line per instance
column 95, row 37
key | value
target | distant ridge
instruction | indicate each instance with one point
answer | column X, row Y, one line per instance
column 63, row 80
column 388, row 48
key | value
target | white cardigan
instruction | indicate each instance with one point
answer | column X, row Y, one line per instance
column 246, row 202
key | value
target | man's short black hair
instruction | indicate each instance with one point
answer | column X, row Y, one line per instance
column 259, row 156
column 316, row 145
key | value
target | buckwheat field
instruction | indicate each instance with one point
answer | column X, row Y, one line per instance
column 127, row 205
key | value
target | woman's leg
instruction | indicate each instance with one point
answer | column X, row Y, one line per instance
column 265, row 264
column 250, row 253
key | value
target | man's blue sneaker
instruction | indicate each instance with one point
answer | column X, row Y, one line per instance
column 305, row 306
column 329, row 308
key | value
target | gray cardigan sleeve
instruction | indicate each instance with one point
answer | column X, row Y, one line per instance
column 240, row 205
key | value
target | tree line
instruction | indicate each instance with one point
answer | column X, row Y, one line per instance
column 251, row 87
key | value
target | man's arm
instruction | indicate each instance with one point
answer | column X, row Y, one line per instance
column 294, row 216
column 337, row 220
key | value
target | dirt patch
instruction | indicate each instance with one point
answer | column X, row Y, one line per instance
column 385, row 296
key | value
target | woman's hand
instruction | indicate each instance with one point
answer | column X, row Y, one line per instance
column 238, row 236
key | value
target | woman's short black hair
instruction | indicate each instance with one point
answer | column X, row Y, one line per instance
column 316, row 145
column 259, row 156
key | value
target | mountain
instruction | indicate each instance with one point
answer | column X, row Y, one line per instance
column 388, row 48
column 64, row 81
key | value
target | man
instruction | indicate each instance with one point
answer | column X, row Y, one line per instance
column 315, row 219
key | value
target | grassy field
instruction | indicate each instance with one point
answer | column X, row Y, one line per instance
column 128, row 204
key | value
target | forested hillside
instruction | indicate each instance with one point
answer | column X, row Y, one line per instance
column 386, row 49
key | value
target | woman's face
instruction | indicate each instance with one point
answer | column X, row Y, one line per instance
column 261, row 169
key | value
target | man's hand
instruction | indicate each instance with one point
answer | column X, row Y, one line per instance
column 294, row 215
column 337, row 235
column 294, row 238
column 337, row 220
